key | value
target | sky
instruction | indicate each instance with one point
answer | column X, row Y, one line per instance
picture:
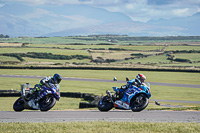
column 137, row 10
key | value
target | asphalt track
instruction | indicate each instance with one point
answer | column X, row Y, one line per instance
column 95, row 115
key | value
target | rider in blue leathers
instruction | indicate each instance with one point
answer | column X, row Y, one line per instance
column 47, row 81
column 138, row 81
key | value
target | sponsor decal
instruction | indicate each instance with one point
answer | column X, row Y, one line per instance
column 122, row 104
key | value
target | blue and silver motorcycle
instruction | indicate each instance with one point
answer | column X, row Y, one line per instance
column 48, row 97
column 127, row 97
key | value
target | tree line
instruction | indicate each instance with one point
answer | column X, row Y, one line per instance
column 4, row 36
column 46, row 56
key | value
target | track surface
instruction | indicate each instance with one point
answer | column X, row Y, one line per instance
column 102, row 80
column 95, row 115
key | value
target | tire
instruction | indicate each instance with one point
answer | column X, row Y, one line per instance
column 47, row 103
column 139, row 103
column 18, row 105
column 105, row 105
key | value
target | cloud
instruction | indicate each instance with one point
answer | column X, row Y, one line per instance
column 180, row 12
column 138, row 10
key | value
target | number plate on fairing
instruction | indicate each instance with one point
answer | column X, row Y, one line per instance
column 122, row 104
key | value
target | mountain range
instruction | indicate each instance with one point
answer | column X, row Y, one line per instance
column 69, row 20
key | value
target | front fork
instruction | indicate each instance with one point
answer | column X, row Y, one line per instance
column 110, row 96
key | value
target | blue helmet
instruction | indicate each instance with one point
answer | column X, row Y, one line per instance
column 57, row 78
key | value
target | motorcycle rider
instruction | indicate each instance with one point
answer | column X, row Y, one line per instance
column 47, row 81
column 138, row 82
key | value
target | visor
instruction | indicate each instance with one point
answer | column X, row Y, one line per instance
column 58, row 81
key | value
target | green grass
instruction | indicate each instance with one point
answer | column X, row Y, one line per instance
column 7, row 58
column 51, row 40
column 175, row 93
column 6, row 103
column 141, row 47
column 101, row 127
column 36, row 61
column 73, row 46
column 11, row 44
column 64, row 103
column 152, row 76
column 118, row 55
column 191, row 56
column 174, row 48
column 66, row 85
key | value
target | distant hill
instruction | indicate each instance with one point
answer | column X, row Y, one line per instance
column 186, row 25
column 50, row 20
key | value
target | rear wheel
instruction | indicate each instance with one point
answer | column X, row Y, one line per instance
column 139, row 103
column 18, row 105
column 47, row 103
column 105, row 104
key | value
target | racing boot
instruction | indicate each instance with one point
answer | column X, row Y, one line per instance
column 31, row 92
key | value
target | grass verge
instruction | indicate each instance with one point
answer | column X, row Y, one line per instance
column 6, row 103
column 100, row 127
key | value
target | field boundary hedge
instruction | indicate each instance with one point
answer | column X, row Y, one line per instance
column 104, row 68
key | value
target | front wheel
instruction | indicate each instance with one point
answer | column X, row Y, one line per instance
column 47, row 102
column 105, row 104
column 139, row 103
column 18, row 105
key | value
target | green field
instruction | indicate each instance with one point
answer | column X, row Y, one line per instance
column 7, row 58
column 105, row 51
column 193, row 57
column 173, row 48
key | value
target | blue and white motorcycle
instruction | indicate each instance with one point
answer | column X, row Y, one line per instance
column 48, row 97
column 127, row 97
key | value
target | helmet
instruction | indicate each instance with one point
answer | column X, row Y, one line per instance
column 140, row 78
column 57, row 78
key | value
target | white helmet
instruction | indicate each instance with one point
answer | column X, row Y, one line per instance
column 140, row 78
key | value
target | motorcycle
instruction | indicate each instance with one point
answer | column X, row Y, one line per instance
column 48, row 97
column 127, row 97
